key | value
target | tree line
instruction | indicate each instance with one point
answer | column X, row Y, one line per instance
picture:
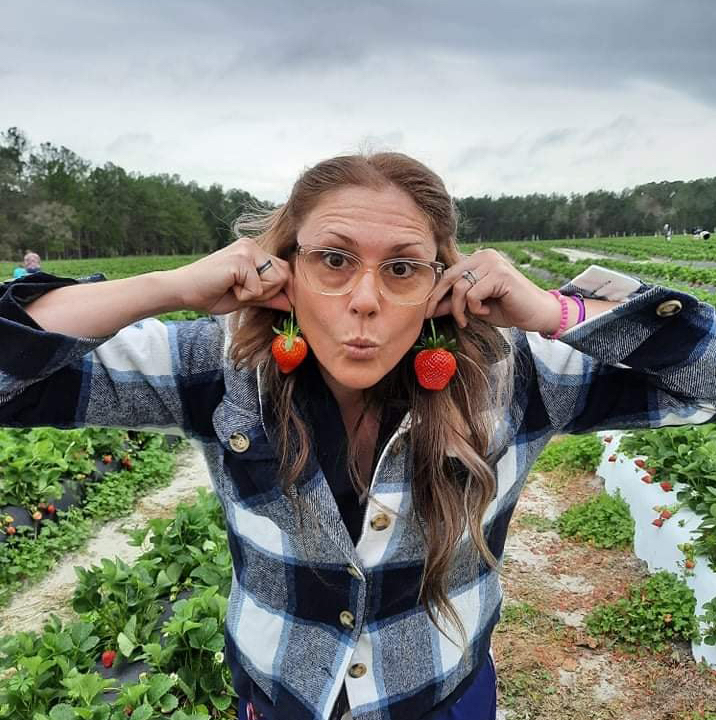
column 55, row 202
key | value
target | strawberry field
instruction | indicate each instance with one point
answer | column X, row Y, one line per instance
column 593, row 627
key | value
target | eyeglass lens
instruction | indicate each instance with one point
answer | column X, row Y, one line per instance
column 334, row 273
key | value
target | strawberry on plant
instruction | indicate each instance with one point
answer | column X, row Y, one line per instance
column 666, row 486
column 51, row 509
column 612, row 458
column 289, row 349
column 106, row 459
column 607, row 438
column 37, row 515
column 108, row 657
column 435, row 363
column 639, row 463
column 665, row 514
column 647, row 479
column 690, row 564
column 126, row 462
column 10, row 529
column 658, row 522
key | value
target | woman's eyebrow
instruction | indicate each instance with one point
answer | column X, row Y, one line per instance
column 396, row 248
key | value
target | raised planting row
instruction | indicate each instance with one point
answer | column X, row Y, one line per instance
column 676, row 603
column 149, row 640
column 668, row 479
column 55, row 484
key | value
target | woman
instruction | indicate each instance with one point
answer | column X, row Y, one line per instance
column 366, row 515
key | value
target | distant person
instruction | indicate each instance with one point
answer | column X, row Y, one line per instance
column 667, row 231
column 30, row 264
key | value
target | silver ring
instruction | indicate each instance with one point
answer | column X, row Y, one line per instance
column 263, row 268
column 470, row 277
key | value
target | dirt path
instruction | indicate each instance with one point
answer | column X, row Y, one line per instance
column 549, row 667
column 29, row 609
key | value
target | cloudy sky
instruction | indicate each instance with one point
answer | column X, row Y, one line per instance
column 500, row 98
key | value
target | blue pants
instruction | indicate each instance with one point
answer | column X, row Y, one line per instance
column 479, row 702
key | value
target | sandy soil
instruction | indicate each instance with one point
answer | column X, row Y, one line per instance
column 29, row 609
column 549, row 667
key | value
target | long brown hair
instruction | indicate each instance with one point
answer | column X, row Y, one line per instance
column 457, row 421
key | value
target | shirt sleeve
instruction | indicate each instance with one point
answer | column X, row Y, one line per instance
column 149, row 375
column 648, row 362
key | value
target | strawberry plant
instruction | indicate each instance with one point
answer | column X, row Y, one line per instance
column 685, row 455
column 709, row 619
column 194, row 650
column 572, row 452
column 656, row 611
column 603, row 521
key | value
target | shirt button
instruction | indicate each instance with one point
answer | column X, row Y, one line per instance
column 354, row 571
column 239, row 442
column 358, row 670
column 347, row 619
column 669, row 308
column 380, row 521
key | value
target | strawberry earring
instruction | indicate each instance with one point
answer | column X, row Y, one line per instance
column 435, row 364
column 289, row 349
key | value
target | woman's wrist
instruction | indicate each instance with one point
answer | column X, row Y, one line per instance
column 563, row 314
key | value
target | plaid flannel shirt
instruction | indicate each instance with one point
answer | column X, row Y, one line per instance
column 310, row 610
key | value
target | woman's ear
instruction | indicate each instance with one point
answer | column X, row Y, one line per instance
column 288, row 288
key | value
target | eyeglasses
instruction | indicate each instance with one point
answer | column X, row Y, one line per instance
column 403, row 281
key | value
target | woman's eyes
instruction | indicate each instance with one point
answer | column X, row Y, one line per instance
column 401, row 269
column 334, row 260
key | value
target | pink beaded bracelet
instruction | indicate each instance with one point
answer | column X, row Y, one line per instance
column 563, row 320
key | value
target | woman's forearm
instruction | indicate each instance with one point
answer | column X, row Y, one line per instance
column 101, row 309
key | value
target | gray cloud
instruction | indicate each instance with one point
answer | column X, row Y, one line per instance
column 512, row 96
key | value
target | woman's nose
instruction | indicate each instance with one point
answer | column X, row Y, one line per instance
column 365, row 296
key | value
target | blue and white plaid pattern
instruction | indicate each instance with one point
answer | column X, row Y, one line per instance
column 294, row 573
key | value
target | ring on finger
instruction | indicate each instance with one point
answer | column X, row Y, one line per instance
column 470, row 277
column 264, row 267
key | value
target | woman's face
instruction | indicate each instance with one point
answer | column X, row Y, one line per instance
column 375, row 225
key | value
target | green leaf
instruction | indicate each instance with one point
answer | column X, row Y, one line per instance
column 221, row 702
column 62, row 712
column 125, row 645
column 143, row 712
column 168, row 703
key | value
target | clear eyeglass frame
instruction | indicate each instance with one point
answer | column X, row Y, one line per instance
column 303, row 250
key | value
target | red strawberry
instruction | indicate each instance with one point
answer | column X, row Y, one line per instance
column 658, row 522
column 108, row 657
column 126, row 462
column 665, row 514
column 51, row 509
column 106, row 459
column 639, row 463
column 612, row 458
column 10, row 529
column 607, row 438
column 647, row 479
column 435, row 363
column 690, row 564
column 289, row 348
column 666, row 486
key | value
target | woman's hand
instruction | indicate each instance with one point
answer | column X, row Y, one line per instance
column 501, row 295
column 228, row 280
